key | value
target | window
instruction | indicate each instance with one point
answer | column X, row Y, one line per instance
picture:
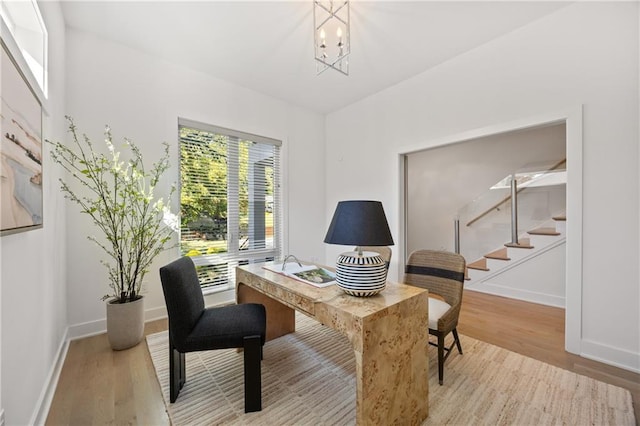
column 230, row 208
column 24, row 21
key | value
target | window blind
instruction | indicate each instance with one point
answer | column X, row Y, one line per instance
column 230, row 201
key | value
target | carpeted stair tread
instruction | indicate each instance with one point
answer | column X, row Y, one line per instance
column 480, row 264
column 560, row 218
column 500, row 254
column 544, row 231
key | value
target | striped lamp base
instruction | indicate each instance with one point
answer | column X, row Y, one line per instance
column 361, row 276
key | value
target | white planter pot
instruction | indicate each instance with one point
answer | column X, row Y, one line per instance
column 125, row 324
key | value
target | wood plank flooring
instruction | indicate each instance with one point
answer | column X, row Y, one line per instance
column 100, row 386
column 536, row 331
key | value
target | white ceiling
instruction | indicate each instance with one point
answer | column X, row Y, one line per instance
column 267, row 46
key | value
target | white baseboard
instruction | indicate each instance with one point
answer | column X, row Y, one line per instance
column 514, row 293
column 39, row 416
column 154, row 314
column 91, row 328
column 86, row 329
column 617, row 357
column 605, row 354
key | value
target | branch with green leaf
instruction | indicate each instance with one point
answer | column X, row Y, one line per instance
column 119, row 197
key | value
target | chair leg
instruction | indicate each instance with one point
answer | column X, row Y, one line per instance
column 177, row 373
column 183, row 369
column 440, row 358
column 252, row 374
column 455, row 336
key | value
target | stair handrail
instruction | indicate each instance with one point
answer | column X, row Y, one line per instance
column 508, row 197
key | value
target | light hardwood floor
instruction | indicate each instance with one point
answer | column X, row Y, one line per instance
column 100, row 386
column 536, row 331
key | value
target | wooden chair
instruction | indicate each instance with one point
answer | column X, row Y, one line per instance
column 192, row 327
column 442, row 273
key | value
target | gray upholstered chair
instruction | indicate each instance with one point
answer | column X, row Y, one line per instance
column 442, row 273
column 192, row 327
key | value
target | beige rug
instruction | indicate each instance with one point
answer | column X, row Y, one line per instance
column 308, row 379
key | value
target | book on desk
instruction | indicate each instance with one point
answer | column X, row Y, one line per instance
column 310, row 274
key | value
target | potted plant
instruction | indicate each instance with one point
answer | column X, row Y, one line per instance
column 136, row 225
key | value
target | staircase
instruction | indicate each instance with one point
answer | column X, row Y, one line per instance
column 532, row 266
column 531, row 244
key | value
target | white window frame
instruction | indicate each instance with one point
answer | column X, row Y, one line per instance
column 235, row 256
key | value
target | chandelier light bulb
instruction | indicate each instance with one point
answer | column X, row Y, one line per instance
column 331, row 22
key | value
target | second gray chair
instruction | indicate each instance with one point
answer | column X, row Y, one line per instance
column 442, row 273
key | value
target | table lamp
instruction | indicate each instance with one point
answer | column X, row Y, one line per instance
column 360, row 223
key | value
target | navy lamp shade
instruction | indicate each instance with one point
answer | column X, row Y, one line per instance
column 360, row 223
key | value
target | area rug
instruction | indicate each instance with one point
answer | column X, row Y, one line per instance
column 308, row 378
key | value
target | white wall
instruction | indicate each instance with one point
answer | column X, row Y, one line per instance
column 33, row 303
column 585, row 53
column 141, row 97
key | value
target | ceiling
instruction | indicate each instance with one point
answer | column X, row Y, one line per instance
column 267, row 46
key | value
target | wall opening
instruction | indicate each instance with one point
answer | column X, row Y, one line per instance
column 571, row 120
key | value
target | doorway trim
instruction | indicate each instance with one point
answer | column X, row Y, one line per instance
column 572, row 117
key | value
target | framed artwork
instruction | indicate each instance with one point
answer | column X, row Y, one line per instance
column 20, row 150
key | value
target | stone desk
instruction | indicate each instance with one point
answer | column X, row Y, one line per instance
column 388, row 331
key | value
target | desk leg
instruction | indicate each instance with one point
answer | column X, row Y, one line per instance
column 281, row 319
column 392, row 369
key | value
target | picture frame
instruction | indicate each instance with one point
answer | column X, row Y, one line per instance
column 21, row 192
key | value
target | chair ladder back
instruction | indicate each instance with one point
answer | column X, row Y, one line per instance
column 440, row 272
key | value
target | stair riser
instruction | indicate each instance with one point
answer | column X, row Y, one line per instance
column 494, row 264
column 517, row 253
column 539, row 241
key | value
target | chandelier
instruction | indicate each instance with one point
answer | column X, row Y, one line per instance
column 331, row 35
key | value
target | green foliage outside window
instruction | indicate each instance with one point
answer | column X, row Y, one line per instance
column 203, row 176
column 227, row 200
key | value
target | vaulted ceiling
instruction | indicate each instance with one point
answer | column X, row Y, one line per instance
column 267, row 46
